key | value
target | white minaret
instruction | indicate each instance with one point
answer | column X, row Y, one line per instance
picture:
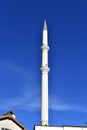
column 45, row 70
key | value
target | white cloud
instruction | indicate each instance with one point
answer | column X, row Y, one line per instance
column 58, row 105
column 31, row 101
column 14, row 68
column 29, row 98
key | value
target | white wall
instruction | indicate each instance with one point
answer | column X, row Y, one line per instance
column 59, row 128
column 9, row 125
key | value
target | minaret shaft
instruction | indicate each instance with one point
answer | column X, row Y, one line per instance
column 44, row 99
column 45, row 57
column 45, row 38
column 45, row 70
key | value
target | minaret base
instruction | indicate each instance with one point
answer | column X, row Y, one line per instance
column 44, row 123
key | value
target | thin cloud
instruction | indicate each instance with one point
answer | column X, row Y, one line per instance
column 31, row 102
column 27, row 101
column 62, row 106
column 15, row 68
column 29, row 98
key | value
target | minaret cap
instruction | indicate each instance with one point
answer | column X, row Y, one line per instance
column 45, row 25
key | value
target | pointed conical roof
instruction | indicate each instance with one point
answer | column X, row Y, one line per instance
column 45, row 25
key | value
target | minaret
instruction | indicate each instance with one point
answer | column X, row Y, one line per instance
column 45, row 70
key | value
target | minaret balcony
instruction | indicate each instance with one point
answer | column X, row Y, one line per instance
column 45, row 69
column 45, row 47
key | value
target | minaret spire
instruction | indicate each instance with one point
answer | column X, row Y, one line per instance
column 45, row 70
column 45, row 25
column 45, row 34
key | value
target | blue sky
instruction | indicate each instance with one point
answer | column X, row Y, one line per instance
column 21, row 24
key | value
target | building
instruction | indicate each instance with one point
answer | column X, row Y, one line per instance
column 60, row 128
column 9, row 122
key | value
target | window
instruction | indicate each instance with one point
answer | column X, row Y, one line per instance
column 4, row 129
